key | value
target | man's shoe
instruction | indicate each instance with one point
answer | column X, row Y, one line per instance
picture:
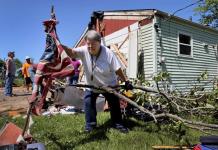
column 121, row 128
column 88, row 129
column 13, row 94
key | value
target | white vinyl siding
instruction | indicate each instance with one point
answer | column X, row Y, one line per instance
column 185, row 70
column 147, row 51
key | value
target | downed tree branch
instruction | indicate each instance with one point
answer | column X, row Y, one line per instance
column 146, row 89
column 198, row 108
column 130, row 102
column 199, row 128
column 175, row 117
column 189, row 99
column 193, row 124
column 110, row 90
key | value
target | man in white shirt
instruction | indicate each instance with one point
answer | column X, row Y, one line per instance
column 101, row 69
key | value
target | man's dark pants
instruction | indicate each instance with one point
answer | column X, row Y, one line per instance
column 91, row 112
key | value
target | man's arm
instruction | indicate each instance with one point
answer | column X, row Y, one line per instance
column 23, row 69
column 128, row 84
column 7, row 64
column 81, row 73
column 70, row 52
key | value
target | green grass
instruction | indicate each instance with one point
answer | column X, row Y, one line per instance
column 66, row 132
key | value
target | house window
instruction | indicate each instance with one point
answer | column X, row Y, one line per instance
column 185, row 45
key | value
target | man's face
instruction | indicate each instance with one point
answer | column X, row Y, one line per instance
column 28, row 61
column 93, row 46
column 12, row 55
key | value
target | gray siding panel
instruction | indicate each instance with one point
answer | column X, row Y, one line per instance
column 146, row 44
column 184, row 70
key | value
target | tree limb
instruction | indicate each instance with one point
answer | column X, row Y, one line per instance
column 175, row 117
column 110, row 90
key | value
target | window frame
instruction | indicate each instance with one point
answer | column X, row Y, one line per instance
column 191, row 44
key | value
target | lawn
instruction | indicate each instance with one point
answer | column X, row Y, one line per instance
column 66, row 132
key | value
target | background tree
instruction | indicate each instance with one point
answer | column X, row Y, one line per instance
column 18, row 63
column 1, row 63
column 18, row 66
column 208, row 10
column 2, row 72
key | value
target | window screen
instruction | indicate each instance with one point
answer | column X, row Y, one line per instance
column 185, row 44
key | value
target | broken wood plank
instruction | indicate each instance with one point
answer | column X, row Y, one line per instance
column 127, row 37
column 121, row 57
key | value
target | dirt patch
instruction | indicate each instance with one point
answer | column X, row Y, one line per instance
column 16, row 104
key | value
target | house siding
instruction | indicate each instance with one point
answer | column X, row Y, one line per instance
column 146, row 45
column 185, row 70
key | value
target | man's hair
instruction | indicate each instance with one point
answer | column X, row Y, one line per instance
column 9, row 53
column 93, row 36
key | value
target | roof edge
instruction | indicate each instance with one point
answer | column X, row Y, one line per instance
column 81, row 37
column 161, row 13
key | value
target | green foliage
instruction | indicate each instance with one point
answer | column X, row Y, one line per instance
column 1, row 83
column 196, row 97
column 208, row 10
column 19, row 81
column 142, row 98
column 161, row 76
column 213, row 95
column 19, row 72
column 18, row 63
column 2, row 63
column 203, row 76
column 183, row 133
column 2, row 69
column 66, row 132
column 141, row 81
column 179, row 128
column 197, row 84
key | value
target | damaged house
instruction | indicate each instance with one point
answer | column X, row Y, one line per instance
column 150, row 41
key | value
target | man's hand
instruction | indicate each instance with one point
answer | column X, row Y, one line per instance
column 128, row 85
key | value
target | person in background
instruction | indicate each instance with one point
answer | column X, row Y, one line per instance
column 26, row 74
column 101, row 69
column 10, row 74
column 32, row 71
column 76, row 65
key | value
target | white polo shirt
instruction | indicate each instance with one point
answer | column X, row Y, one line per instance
column 103, row 69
